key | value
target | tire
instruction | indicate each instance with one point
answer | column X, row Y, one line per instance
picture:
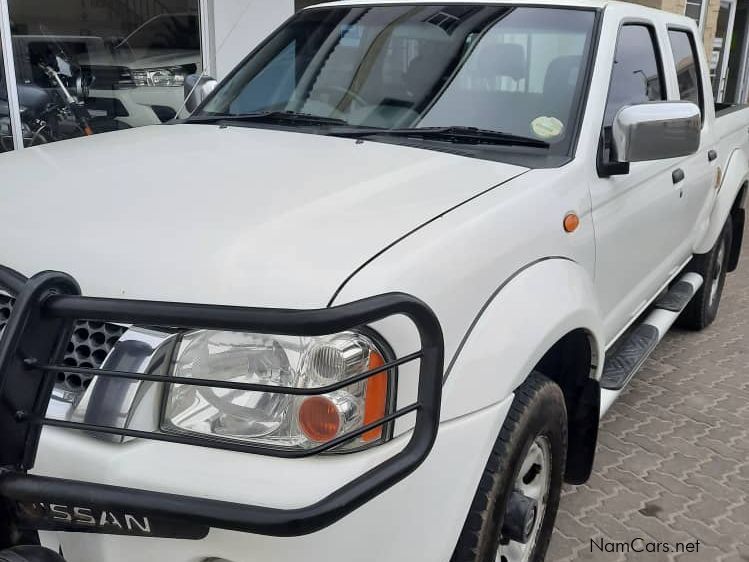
column 713, row 266
column 537, row 414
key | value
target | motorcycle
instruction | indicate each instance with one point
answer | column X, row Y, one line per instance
column 56, row 112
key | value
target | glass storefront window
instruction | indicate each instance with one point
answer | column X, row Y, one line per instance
column 694, row 10
column 6, row 125
column 95, row 66
column 6, row 135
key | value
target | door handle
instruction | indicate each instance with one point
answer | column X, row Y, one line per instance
column 711, row 155
column 678, row 175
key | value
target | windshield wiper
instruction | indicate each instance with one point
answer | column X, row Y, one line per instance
column 456, row 134
column 269, row 117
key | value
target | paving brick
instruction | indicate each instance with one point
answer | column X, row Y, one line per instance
column 725, row 449
column 571, row 526
column 608, row 527
column 675, row 485
column 703, row 533
column 709, row 485
column 665, row 506
column 680, row 464
column 718, row 467
column 562, row 547
column 708, row 508
column 690, row 449
column 658, row 530
column 642, row 462
column 647, row 443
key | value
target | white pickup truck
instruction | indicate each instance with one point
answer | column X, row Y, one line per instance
column 432, row 242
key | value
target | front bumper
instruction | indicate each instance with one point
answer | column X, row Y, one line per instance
column 30, row 351
column 417, row 520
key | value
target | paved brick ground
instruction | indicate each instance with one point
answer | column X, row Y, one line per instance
column 673, row 455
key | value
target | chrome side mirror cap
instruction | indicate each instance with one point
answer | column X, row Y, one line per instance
column 196, row 88
column 656, row 131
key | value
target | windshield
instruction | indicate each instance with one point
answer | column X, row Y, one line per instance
column 516, row 70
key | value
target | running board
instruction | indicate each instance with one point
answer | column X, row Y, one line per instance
column 630, row 354
column 627, row 356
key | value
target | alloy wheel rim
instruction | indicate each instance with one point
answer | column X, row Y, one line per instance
column 534, row 481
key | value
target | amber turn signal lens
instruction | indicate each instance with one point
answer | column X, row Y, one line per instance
column 571, row 222
column 375, row 398
column 319, row 419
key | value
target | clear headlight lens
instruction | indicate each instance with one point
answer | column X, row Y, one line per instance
column 159, row 77
column 277, row 420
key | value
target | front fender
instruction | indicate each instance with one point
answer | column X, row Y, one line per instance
column 735, row 175
column 519, row 323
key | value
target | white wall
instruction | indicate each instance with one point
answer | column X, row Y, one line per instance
column 238, row 26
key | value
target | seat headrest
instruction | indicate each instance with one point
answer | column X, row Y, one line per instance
column 425, row 69
column 562, row 71
column 502, row 59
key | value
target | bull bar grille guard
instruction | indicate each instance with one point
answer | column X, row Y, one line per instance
column 33, row 343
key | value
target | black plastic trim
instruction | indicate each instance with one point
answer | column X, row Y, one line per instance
column 677, row 176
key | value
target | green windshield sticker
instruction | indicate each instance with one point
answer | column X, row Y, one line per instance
column 547, row 127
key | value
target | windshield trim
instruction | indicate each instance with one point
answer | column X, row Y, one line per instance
column 579, row 102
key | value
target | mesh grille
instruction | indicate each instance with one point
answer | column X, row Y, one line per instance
column 89, row 346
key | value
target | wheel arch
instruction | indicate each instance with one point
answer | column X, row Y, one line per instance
column 572, row 363
column 738, row 219
column 544, row 319
column 730, row 201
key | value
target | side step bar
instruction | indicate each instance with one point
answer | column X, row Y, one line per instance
column 628, row 355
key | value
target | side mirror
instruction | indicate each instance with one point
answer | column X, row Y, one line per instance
column 656, row 131
column 649, row 131
column 197, row 88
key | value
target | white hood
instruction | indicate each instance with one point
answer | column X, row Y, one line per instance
column 242, row 216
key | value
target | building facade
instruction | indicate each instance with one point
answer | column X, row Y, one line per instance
column 724, row 25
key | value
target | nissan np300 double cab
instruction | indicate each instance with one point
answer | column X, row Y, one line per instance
column 430, row 243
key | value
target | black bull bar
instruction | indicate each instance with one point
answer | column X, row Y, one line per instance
column 32, row 348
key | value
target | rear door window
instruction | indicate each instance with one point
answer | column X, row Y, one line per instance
column 687, row 67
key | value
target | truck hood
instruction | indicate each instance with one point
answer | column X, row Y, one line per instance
column 243, row 216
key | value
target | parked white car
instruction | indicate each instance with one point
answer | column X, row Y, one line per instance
column 461, row 227
column 140, row 81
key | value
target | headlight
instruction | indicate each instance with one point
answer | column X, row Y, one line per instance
column 163, row 77
column 278, row 420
